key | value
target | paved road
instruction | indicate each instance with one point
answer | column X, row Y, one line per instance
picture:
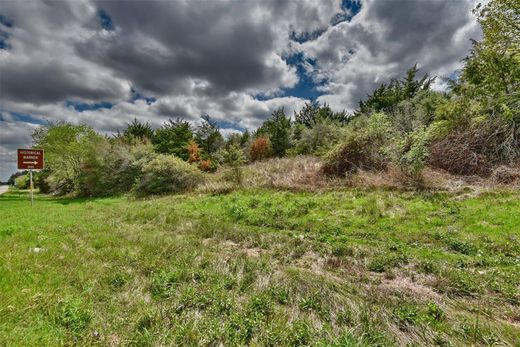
column 3, row 189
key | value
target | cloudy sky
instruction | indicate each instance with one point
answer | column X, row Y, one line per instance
column 105, row 62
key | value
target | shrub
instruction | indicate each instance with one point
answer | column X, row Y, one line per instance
column 193, row 152
column 113, row 168
column 409, row 151
column 475, row 149
column 506, row 175
column 318, row 139
column 22, row 182
column 361, row 148
column 234, row 157
column 260, row 148
column 207, row 165
column 167, row 174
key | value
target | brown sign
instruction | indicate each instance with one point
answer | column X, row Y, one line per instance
column 30, row 159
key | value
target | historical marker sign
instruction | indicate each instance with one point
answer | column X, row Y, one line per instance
column 30, row 159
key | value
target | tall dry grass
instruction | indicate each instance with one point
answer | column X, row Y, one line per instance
column 305, row 173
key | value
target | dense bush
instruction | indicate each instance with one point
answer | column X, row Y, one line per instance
column 167, row 174
column 476, row 149
column 22, row 182
column 408, row 151
column 260, row 148
column 361, row 148
column 318, row 139
column 113, row 168
column 67, row 147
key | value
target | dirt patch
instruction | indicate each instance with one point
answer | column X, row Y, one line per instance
column 407, row 286
column 253, row 252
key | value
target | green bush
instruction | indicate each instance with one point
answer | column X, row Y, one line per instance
column 22, row 182
column 362, row 146
column 235, row 158
column 318, row 139
column 167, row 174
column 113, row 168
column 409, row 151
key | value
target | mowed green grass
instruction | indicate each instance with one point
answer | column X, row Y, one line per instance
column 262, row 267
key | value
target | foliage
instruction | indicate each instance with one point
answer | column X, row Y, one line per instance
column 493, row 66
column 208, row 136
column 234, row 157
column 113, row 168
column 390, row 94
column 409, row 151
column 208, row 165
column 278, row 129
column 260, row 148
column 22, row 182
column 194, row 152
column 313, row 113
column 138, row 130
column 67, row 147
column 167, row 174
column 173, row 138
column 318, row 139
column 362, row 146
column 14, row 176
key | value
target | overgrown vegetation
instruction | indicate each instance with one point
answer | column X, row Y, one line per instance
column 262, row 267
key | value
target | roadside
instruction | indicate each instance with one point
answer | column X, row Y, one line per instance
column 3, row 189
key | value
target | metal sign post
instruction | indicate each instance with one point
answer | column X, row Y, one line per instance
column 30, row 159
column 32, row 195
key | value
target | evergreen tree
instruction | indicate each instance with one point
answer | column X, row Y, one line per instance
column 278, row 129
column 173, row 138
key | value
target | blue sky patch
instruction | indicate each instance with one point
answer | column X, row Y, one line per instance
column 23, row 117
column 306, row 87
column 6, row 21
column 4, row 35
column 82, row 106
column 138, row 96
column 306, row 36
column 105, row 20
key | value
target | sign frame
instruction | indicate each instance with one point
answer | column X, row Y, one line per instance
column 31, row 159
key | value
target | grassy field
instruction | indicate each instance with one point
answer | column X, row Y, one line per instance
column 262, row 267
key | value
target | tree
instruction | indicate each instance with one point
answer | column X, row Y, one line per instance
column 244, row 140
column 278, row 129
column 388, row 95
column 492, row 70
column 173, row 138
column 67, row 147
column 138, row 130
column 208, row 135
column 313, row 113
